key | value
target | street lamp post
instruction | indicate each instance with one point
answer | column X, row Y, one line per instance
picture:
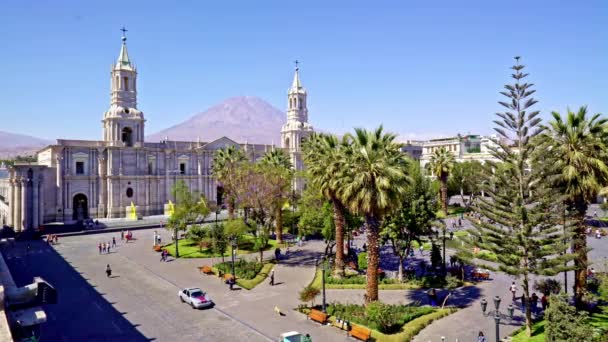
column 323, row 282
column 444, row 269
column 496, row 313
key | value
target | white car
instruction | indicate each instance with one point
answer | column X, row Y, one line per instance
column 195, row 297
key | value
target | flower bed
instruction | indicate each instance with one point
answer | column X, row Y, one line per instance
column 244, row 269
column 247, row 283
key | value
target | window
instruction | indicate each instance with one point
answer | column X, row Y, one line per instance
column 129, row 192
column 150, row 168
column 182, row 168
column 80, row 168
column 127, row 136
column 300, row 104
column 126, row 81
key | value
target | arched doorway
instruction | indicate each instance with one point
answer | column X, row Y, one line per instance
column 80, row 207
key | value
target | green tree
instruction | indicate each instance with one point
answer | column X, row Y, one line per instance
column 325, row 158
column 219, row 240
column 414, row 219
column 519, row 223
column 578, row 153
column 374, row 185
column 278, row 174
column 464, row 180
column 440, row 165
column 190, row 207
column 563, row 323
column 225, row 166
column 198, row 234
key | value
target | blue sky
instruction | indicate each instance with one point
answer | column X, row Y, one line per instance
column 422, row 68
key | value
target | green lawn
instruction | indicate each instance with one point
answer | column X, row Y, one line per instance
column 387, row 284
column 596, row 320
column 190, row 249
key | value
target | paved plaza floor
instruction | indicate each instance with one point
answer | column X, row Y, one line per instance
column 139, row 302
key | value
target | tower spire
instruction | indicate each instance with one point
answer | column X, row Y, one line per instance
column 123, row 57
column 295, row 85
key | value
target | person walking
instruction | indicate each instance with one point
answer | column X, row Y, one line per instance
column 480, row 337
column 122, row 235
column 108, row 247
column 272, row 278
column 99, row 248
column 533, row 302
column 155, row 238
column 544, row 302
column 103, row 247
column 108, row 271
column 307, row 338
column 433, row 297
column 113, row 242
column 513, row 289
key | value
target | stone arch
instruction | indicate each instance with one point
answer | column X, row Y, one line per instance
column 80, row 207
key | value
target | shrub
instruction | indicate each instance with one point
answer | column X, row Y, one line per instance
column 563, row 322
column 308, row 294
column 362, row 260
column 384, row 318
column 435, row 256
column 243, row 269
column 548, row 286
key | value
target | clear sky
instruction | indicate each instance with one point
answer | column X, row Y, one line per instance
column 422, row 68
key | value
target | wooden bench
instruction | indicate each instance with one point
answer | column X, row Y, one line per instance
column 205, row 269
column 481, row 275
column 362, row 333
column 157, row 248
column 318, row 316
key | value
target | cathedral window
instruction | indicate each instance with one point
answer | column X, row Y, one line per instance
column 80, row 168
column 182, row 168
column 127, row 136
column 300, row 104
column 129, row 192
column 126, row 81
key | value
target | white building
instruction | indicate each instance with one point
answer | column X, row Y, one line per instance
column 464, row 148
column 74, row 180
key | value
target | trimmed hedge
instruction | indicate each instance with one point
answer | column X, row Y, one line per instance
column 385, row 284
column 249, row 284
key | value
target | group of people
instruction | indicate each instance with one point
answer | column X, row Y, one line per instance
column 104, row 248
column 52, row 239
column 598, row 232
column 534, row 299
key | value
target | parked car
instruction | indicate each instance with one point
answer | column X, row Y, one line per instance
column 195, row 297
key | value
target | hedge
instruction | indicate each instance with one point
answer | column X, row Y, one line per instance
column 249, row 284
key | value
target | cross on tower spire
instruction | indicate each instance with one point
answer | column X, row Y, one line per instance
column 296, row 62
column 124, row 34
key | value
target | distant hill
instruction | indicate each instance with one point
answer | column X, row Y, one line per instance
column 13, row 144
column 242, row 119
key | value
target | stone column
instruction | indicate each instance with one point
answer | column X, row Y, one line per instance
column 11, row 200
column 24, row 216
column 167, row 168
column 17, row 206
column 59, row 162
column 101, row 161
column 35, row 202
column 41, row 200
column 200, row 173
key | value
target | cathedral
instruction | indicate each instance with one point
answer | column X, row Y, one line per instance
column 74, row 180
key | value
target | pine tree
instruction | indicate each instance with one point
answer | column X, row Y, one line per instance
column 519, row 220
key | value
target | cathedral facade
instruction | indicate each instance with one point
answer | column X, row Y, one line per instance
column 74, row 180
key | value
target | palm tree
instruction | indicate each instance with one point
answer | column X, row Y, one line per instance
column 226, row 163
column 373, row 187
column 278, row 161
column 578, row 146
column 324, row 156
column 441, row 165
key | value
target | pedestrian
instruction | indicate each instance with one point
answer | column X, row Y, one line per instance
column 122, row 235
column 155, row 238
column 480, row 337
column 307, row 338
column 523, row 303
column 113, row 242
column 513, row 289
column 159, row 239
column 231, row 282
column 459, row 223
column 108, row 247
column 108, row 270
column 533, row 302
column 272, row 278
column 277, row 253
column 544, row 302
column 598, row 234
column 433, row 297
column 100, row 248
column 421, row 248
column 56, row 239
column 103, row 247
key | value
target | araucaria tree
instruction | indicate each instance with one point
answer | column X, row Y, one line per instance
column 373, row 188
column 440, row 165
column 325, row 158
column 226, row 163
column 577, row 151
column 518, row 223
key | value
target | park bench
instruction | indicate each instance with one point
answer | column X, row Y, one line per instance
column 481, row 275
column 157, row 248
column 205, row 269
column 318, row 316
column 352, row 265
column 362, row 333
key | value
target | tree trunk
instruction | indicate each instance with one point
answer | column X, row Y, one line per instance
column 401, row 257
column 579, row 248
column 371, row 291
column 231, row 206
column 279, row 225
column 339, row 223
column 528, row 312
column 444, row 192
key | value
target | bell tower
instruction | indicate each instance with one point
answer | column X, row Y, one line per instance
column 123, row 123
column 297, row 128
